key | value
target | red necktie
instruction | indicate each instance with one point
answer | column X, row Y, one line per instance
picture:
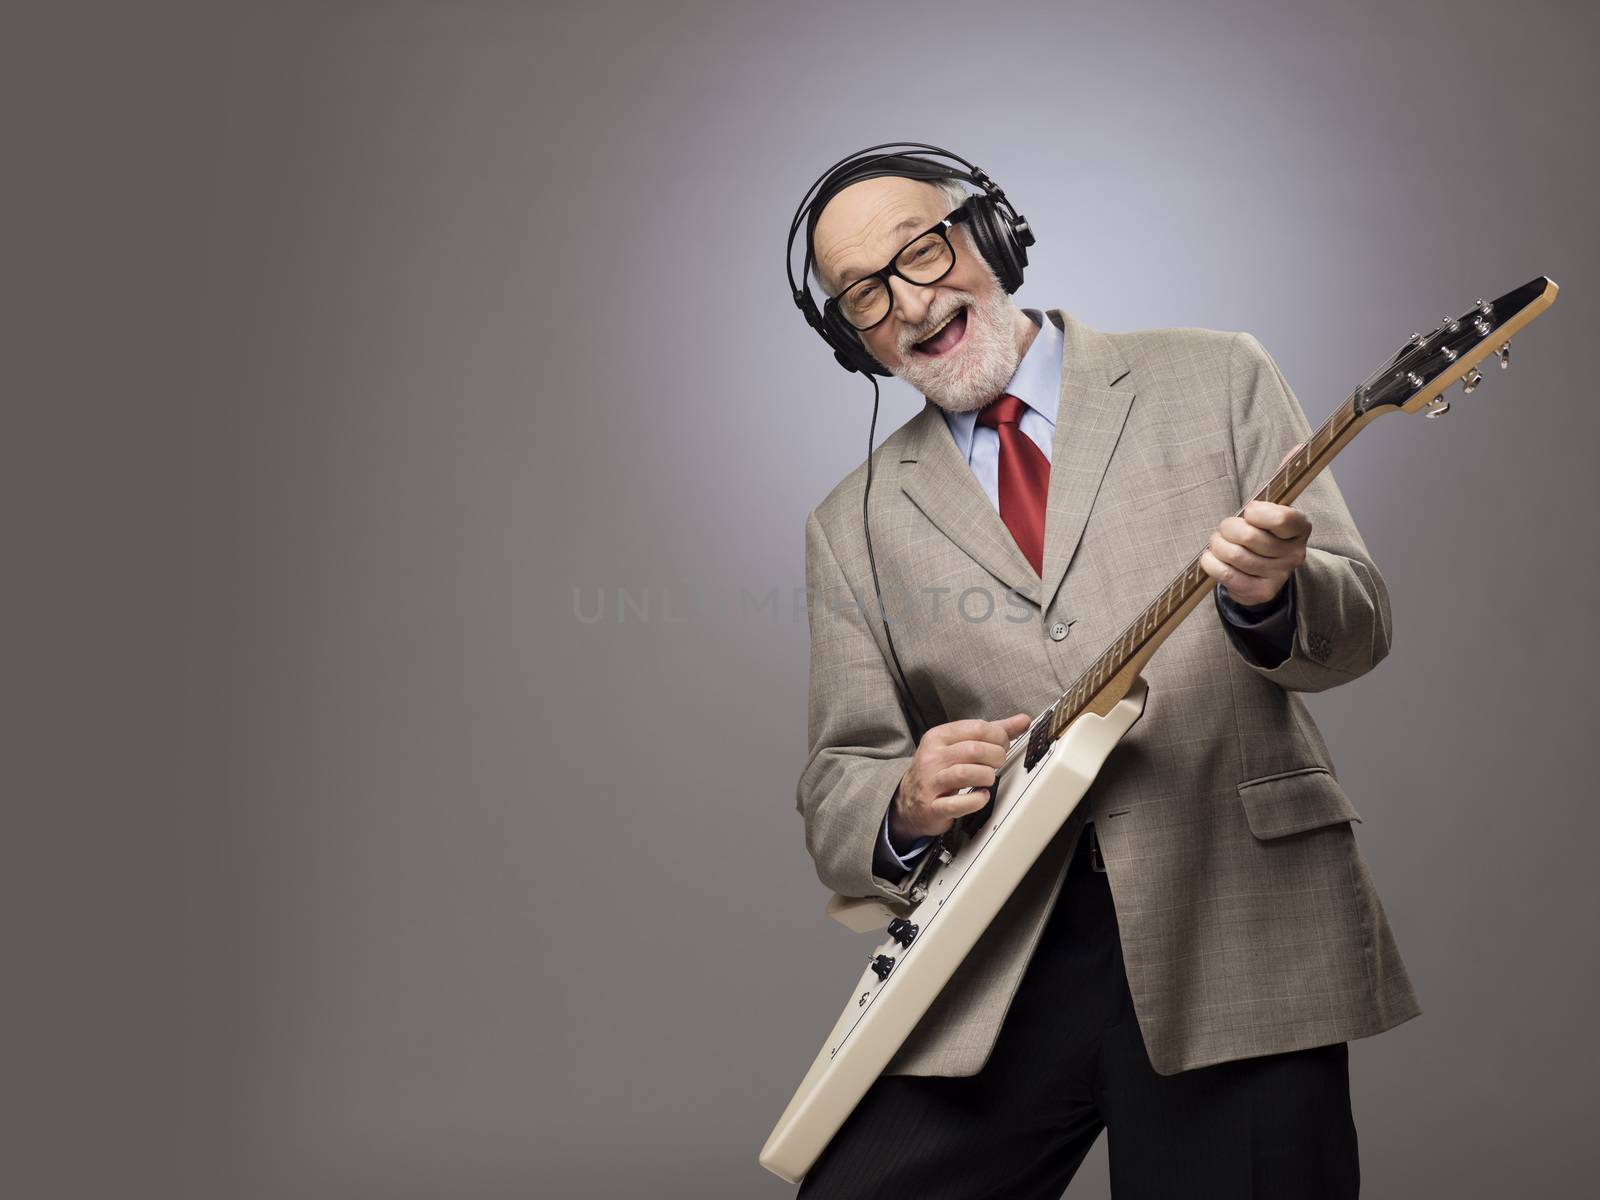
column 1024, row 478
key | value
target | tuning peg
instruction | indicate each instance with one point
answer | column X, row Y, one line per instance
column 1505, row 355
column 1437, row 409
column 1470, row 381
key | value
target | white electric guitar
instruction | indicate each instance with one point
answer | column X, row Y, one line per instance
column 964, row 878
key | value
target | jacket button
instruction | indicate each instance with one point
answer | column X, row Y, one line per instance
column 1058, row 631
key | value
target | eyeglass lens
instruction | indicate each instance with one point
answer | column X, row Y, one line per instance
column 867, row 302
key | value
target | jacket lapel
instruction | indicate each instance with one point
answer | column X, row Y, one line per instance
column 1089, row 419
column 941, row 483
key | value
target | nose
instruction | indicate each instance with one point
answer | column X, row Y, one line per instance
column 911, row 300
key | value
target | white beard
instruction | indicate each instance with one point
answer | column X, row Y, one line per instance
column 975, row 372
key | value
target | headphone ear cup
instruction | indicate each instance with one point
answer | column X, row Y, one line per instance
column 997, row 241
column 847, row 347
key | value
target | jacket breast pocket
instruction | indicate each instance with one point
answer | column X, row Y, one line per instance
column 1294, row 801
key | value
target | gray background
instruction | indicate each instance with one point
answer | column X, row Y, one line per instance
column 350, row 344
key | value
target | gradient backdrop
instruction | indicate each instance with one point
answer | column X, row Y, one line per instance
column 360, row 351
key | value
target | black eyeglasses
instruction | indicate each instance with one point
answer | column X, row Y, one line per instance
column 926, row 258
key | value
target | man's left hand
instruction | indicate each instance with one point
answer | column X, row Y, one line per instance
column 1253, row 555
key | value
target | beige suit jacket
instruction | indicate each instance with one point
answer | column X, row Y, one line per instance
column 1249, row 921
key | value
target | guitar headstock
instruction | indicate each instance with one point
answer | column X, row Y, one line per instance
column 1429, row 364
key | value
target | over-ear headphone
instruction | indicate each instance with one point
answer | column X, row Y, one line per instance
column 1000, row 233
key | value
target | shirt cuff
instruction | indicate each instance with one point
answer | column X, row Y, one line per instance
column 1254, row 616
column 893, row 863
column 1269, row 625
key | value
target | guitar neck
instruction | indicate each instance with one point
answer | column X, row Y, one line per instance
column 1108, row 678
column 1414, row 381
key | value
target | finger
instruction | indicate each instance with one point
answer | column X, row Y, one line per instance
column 1242, row 559
column 974, row 729
column 962, row 804
column 971, row 730
column 1241, row 588
column 1260, row 541
column 1280, row 519
column 1227, row 576
column 1000, row 732
column 960, row 775
column 986, row 753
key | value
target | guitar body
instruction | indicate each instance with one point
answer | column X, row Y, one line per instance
column 1029, row 807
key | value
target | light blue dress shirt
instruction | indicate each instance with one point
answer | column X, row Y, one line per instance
column 1267, row 630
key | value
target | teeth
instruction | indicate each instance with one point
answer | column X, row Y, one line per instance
column 942, row 324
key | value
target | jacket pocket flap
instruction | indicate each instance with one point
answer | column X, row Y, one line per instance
column 1294, row 801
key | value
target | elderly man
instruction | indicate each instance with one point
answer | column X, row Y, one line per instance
column 1186, row 961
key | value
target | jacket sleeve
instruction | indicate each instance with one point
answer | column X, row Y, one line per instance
column 860, row 742
column 1342, row 625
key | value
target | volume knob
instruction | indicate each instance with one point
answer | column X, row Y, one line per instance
column 881, row 964
column 902, row 931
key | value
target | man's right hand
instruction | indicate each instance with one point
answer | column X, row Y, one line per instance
column 950, row 757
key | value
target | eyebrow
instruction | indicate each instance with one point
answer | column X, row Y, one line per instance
column 846, row 276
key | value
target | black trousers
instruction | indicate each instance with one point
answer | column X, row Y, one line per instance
column 1069, row 1062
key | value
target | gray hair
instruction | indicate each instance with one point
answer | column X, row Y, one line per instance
column 954, row 193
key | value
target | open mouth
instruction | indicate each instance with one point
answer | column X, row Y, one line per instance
column 945, row 339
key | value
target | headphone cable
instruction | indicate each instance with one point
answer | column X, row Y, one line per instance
column 866, row 528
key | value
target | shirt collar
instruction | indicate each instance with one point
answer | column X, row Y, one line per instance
column 1037, row 383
